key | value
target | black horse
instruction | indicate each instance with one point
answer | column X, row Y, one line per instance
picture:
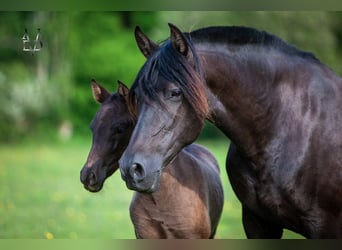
column 280, row 106
column 189, row 199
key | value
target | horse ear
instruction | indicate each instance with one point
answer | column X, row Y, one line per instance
column 178, row 41
column 146, row 46
column 100, row 94
column 123, row 90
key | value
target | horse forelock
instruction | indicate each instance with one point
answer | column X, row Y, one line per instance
column 171, row 66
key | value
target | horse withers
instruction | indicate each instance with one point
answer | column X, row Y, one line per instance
column 189, row 200
column 279, row 106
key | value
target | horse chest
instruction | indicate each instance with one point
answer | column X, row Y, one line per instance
column 159, row 217
column 265, row 191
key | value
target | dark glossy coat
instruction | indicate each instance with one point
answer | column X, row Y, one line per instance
column 280, row 106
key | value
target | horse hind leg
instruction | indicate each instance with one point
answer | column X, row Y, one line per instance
column 257, row 228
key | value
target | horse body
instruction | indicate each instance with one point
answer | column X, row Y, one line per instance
column 277, row 104
column 192, row 210
column 287, row 141
column 189, row 199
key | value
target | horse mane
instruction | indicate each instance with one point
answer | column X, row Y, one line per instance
column 239, row 35
column 167, row 63
column 170, row 65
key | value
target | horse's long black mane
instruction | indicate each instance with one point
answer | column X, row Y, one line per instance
column 170, row 65
column 239, row 35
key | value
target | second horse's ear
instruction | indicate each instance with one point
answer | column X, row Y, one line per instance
column 145, row 44
column 123, row 90
column 100, row 94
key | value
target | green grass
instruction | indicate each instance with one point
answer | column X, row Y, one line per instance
column 41, row 196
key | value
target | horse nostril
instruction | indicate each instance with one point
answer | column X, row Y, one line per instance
column 92, row 178
column 137, row 172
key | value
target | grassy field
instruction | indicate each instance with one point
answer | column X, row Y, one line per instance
column 41, row 196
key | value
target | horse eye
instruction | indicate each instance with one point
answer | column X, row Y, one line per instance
column 120, row 130
column 174, row 94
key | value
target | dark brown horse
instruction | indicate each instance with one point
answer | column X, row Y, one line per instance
column 280, row 106
column 189, row 200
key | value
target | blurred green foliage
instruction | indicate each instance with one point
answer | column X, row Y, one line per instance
column 47, row 94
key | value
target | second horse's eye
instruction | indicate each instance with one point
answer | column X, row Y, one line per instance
column 118, row 130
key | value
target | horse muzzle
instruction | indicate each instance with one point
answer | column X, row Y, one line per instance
column 90, row 180
column 139, row 178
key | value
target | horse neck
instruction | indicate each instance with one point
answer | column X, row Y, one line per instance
column 240, row 94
